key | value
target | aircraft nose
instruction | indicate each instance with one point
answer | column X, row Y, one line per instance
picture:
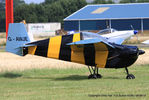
column 135, row 32
column 141, row 52
column 136, row 51
column 133, row 50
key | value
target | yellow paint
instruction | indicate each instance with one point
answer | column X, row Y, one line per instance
column 101, row 54
column 76, row 37
column 54, row 47
column 77, row 54
column 100, row 10
column 31, row 50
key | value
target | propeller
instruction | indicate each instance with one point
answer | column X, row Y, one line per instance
column 135, row 32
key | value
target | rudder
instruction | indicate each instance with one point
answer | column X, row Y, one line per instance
column 17, row 38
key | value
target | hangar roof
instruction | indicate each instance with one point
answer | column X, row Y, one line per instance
column 111, row 11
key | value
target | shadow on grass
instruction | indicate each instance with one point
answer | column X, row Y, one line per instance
column 110, row 77
column 78, row 77
column 34, row 77
column 71, row 78
column 10, row 75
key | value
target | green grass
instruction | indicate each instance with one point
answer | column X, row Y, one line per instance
column 72, row 84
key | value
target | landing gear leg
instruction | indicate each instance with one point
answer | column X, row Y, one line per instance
column 129, row 76
column 98, row 75
column 94, row 73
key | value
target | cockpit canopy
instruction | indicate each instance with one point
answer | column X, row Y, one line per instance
column 90, row 35
column 106, row 31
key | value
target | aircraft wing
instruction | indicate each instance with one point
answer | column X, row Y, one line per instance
column 116, row 40
column 92, row 51
column 90, row 41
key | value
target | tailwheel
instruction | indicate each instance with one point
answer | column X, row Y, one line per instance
column 129, row 76
column 93, row 72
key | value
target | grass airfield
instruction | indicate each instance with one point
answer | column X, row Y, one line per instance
column 38, row 78
column 72, row 84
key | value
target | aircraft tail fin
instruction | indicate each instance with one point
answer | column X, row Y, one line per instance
column 17, row 38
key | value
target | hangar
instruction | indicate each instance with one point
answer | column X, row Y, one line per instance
column 101, row 16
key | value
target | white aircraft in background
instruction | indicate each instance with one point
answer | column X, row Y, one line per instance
column 146, row 42
column 113, row 35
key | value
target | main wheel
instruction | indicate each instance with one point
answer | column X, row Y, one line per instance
column 98, row 75
column 130, row 76
column 92, row 76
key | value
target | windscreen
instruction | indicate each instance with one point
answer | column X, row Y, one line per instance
column 106, row 31
column 90, row 35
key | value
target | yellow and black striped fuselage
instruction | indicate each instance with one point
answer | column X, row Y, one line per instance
column 57, row 48
column 97, row 54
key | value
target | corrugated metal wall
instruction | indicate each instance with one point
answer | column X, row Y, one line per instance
column 71, row 25
column 146, row 24
column 125, row 24
column 121, row 24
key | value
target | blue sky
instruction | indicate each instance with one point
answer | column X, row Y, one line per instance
column 33, row 1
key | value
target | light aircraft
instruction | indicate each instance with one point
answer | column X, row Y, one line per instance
column 112, row 34
column 146, row 42
column 85, row 48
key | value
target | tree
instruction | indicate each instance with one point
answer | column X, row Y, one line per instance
column 18, row 3
column 128, row 1
column 103, row 2
column 2, row 15
column 41, row 13
column 142, row 1
column 49, row 12
column 2, row 21
column 2, row 5
column 25, row 12
column 57, row 11
column 49, row 1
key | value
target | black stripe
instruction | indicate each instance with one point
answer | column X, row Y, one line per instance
column 111, row 54
column 65, row 50
column 25, row 51
column 81, row 36
column 39, row 43
column 89, row 54
column 42, row 48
